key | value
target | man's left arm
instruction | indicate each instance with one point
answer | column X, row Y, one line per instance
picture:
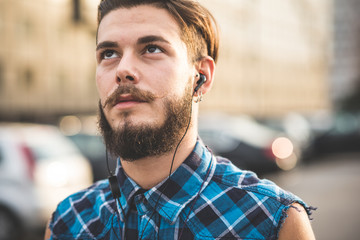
column 47, row 235
column 297, row 225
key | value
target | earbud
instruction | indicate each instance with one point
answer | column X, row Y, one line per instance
column 200, row 82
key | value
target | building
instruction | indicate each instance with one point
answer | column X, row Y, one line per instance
column 274, row 57
column 345, row 70
column 47, row 60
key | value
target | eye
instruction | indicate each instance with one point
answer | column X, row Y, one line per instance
column 108, row 54
column 153, row 49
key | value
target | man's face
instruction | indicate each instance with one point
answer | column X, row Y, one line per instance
column 143, row 70
column 143, row 43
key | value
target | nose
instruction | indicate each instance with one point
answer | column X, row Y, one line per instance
column 130, row 78
column 126, row 70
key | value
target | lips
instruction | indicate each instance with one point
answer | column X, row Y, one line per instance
column 125, row 101
column 126, row 95
column 128, row 98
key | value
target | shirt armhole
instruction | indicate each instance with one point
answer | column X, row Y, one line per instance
column 283, row 215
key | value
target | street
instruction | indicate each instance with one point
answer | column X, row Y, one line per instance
column 331, row 185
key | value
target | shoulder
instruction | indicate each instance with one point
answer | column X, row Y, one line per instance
column 78, row 214
column 296, row 224
column 230, row 178
column 238, row 204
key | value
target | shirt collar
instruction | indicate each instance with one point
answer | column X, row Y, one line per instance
column 174, row 193
column 128, row 189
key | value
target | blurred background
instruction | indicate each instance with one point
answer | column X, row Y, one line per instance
column 285, row 104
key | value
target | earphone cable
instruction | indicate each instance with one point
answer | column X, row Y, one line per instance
column 117, row 200
column 112, row 227
column 107, row 163
column 171, row 167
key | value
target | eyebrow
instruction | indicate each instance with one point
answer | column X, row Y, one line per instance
column 106, row 44
column 142, row 40
column 151, row 38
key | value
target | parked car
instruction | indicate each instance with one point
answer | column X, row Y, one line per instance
column 247, row 143
column 83, row 131
column 295, row 126
column 38, row 168
column 334, row 133
column 93, row 148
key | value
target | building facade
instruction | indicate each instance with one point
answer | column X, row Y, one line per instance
column 345, row 71
column 274, row 57
column 47, row 58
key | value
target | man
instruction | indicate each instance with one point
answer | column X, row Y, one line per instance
column 156, row 58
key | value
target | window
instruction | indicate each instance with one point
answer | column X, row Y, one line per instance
column 27, row 79
column 25, row 27
column 2, row 77
column 76, row 11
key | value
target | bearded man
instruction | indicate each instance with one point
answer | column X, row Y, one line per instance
column 155, row 61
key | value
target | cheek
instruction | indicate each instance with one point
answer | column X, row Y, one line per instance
column 182, row 84
column 158, row 80
column 172, row 80
column 103, row 83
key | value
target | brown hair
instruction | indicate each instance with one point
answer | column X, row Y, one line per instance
column 199, row 29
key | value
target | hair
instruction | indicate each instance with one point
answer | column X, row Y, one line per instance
column 199, row 30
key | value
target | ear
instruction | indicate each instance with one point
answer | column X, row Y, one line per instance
column 207, row 67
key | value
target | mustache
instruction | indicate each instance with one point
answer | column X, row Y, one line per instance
column 136, row 95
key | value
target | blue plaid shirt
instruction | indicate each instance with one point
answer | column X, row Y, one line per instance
column 207, row 197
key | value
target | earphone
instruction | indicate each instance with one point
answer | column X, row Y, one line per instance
column 200, row 82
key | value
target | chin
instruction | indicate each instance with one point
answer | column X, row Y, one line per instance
column 135, row 121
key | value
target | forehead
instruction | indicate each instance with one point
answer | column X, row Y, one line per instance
column 138, row 21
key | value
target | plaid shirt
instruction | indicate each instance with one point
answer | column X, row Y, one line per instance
column 205, row 198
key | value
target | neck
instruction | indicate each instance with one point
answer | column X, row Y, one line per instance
column 149, row 171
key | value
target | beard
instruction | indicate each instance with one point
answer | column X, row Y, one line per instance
column 132, row 142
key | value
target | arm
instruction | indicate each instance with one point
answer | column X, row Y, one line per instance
column 47, row 232
column 297, row 225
